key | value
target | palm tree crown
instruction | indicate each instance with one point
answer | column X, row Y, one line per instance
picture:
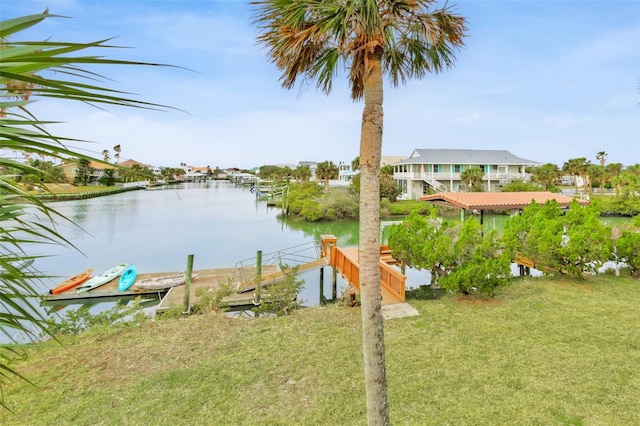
column 313, row 37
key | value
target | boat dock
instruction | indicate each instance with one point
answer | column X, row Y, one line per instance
column 246, row 273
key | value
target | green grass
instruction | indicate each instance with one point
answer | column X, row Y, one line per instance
column 543, row 352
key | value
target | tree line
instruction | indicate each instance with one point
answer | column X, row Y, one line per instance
column 463, row 258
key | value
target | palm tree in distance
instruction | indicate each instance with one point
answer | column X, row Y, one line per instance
column 601, row 156
column 473, row 177
column 326, row 171
column 117, row 149
column 313, row 40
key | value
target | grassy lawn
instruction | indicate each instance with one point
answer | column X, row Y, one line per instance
column 543, row 352
column 67, row 188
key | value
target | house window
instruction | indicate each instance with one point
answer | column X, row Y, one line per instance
column 494, row 168
column 457, row 168
column 436, row 168
column 482, row 167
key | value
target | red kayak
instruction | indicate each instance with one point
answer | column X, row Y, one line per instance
column 72, row 282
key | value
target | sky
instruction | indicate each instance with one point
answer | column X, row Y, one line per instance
column 546, row 80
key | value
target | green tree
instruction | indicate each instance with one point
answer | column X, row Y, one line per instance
column 629, row 180
column 216, row 172
column 626, row 246
column 473, row 178
column 355, row 164
column 268, row 171
column 83, row 172
column 478, row 264
column 612, row 173
column 577, row 167
column 108, row 178
column 312, row 40
column 596, row 174
column 459, row 256
column 32, row 70
column 586, row 240
column 601, row 156
column 518, row 185
column 389, row 188
column 547, row 174
column 387, row 170
column 536, row 233
column 326, row 171
column 571, row 242
column 302, row 173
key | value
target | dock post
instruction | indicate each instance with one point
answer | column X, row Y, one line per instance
column 334, row 283
column 256, row 297
column 187, row 283
column 323, row 301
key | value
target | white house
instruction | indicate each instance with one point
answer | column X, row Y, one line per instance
column 435, row 170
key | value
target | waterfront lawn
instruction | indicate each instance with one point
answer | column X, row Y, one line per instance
column 552, row 352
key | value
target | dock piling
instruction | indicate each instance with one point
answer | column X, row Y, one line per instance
column 256, row 298
column 187, row 283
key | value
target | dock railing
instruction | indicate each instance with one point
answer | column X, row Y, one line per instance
column 305, row 256
column 391, row 280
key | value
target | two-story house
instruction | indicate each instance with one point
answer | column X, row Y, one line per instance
column 436, row 170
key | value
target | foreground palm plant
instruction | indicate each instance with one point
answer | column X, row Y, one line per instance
column 26, row 72
column 311, row 39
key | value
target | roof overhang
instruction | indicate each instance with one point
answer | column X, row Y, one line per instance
column 497, row 200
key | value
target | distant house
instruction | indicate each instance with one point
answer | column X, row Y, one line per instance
column 197, row 173
column 131, row 163
column 313, row 166
column 70, row 169
column 346, row 173
column 435, row 170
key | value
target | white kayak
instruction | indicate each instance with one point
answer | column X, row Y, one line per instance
column 102, row 278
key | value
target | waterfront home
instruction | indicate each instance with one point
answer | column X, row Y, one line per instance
column 70, row 170
column 427, row 171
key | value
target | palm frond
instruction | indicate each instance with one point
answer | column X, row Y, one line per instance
column 25, row 73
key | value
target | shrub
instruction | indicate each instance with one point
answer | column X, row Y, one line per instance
column 282, row 297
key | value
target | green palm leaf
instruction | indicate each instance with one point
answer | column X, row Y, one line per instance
column 26, row 68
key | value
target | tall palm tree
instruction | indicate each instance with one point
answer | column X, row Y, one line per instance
column 612, row 171
column 26, row 73
column 313, row 40
column 117, row 149
column 326, row 171
column 601, row 156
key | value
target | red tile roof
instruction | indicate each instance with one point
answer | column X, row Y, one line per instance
column 497, row 200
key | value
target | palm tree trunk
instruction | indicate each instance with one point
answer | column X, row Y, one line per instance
column 370, row 291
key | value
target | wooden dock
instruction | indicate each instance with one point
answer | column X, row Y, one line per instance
column 105, row 293
column 109, row 292
column 242, row 279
